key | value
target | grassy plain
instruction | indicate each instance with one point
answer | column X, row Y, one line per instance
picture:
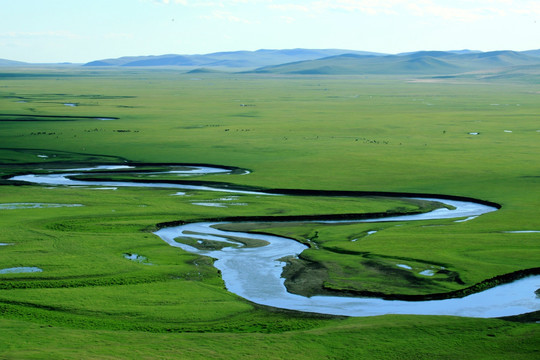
column 321, row 132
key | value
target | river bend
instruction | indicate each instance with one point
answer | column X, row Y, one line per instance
column 255, row 273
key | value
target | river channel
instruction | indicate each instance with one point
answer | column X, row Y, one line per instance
column 255, row 273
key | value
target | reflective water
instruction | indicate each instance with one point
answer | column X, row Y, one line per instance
column 16, row 270
column 255, row 273
column 63, row 179
column 13, row 206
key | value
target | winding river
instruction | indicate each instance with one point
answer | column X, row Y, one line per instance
column 255, row 273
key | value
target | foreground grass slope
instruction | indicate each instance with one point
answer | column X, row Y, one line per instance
column 386, row 337
column 325, row 133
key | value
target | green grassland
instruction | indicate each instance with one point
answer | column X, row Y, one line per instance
column 364, row 133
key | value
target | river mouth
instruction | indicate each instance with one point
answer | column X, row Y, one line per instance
column 255, row 272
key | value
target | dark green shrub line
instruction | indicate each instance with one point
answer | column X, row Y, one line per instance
column 8, row 284
column 63, row 159
column 345, row 193
column 32, row 117
column 296, row 192
column 290, row 218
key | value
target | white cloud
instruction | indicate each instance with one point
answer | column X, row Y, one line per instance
column 52, row 33
column 456, row 10
column 118, row 36
column 449, row 13
column 371, row 7
column 528, row 8
column 464, row 10
column 225, row 15
column 156, row 1
column 167, row 2
column 205, row 3
column 288, row 19
column 461, row 10
column 216, row 4
column 289, row 7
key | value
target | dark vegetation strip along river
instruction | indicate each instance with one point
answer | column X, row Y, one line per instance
column 255, row 272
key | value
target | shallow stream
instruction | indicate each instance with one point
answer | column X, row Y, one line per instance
column 255, row 273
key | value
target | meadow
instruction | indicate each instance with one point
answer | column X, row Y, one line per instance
column 467, row 137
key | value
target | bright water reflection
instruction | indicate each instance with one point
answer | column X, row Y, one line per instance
column 23, row 269
column 255, row 273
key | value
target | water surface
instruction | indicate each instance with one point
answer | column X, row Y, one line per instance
column 255, row 273
column 16, row 270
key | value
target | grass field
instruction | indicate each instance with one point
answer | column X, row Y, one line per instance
column 393, row 134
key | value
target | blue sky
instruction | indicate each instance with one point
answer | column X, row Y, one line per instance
column 85, row 30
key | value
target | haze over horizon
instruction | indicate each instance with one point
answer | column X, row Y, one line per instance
column 78, row 31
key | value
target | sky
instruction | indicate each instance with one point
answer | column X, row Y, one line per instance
column 78, row 31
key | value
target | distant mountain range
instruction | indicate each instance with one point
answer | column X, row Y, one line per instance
column 422, row 62
column 331, row 61
column 4, row 62
column 232, row 59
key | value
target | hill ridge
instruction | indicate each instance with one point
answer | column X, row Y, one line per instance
column 421, row 62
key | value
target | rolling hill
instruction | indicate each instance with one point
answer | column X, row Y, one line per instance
column 5, row 62
column 532, row 52
column 422, row 62
column 331, row 62
column 232, row 59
